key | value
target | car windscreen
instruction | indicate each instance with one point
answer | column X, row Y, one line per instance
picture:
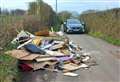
column 73, row 22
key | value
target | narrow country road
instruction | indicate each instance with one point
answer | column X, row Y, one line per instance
column 107, row 57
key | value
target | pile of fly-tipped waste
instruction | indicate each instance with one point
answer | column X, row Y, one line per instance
column 48, row 50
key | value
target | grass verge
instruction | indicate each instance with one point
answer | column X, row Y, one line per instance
column 56, row 28
column 8, row 67
column 106, row 38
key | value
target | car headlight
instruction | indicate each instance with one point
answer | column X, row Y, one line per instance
column 69, row 28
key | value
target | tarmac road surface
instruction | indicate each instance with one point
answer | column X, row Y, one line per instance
column 107, row 57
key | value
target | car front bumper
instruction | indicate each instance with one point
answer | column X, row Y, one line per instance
column 75, row 30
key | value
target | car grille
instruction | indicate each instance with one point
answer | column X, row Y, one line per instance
column 75, row 27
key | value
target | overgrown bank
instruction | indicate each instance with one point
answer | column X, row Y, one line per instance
column 8, row 69
column 104, row 24
column 39, row 16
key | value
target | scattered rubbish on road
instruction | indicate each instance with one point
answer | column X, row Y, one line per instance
column 50, row 51
column 70, row 74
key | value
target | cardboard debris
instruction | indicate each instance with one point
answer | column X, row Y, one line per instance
column 18, row 53
column 22, row 54
column 70, row 67
column 50, row 51
column 29, row 57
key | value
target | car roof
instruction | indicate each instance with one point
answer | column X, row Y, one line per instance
column 71, row 20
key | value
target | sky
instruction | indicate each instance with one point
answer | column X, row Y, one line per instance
column 69, row 5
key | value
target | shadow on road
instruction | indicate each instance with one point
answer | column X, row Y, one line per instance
column 38, row 76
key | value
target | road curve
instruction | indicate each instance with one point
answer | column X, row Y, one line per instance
column 107, row 57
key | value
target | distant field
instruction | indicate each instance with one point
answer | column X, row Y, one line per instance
column 104, row 24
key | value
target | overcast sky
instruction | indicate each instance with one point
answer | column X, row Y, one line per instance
column 70, row 5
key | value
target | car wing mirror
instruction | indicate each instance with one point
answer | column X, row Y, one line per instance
column 83, row 23
column 65, row 23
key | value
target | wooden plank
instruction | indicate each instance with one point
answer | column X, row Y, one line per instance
column 45, row 59
column 55, row 53
column 70, row 74
column 57, row 46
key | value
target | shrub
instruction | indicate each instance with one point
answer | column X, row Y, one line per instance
column 105, row 22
